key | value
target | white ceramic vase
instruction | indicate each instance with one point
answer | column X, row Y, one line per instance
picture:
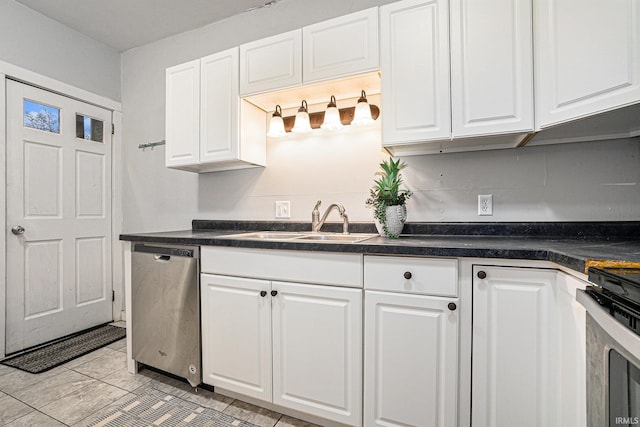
column 396, row 217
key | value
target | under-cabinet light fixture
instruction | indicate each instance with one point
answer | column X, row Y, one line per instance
column 333, row 118
column 276, row 125
column 362, row 116
column 302, row 124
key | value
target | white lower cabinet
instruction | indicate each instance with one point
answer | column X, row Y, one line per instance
column 411, row 341
column 528, row 351
column 513, row 340
column 295, row 345
column 317, row 350
column 236, row 334
column 411, row 363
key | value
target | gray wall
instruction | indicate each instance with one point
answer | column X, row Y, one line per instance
column 30, row 40
column 584, row 181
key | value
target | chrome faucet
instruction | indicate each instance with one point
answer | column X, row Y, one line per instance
column 317, row 223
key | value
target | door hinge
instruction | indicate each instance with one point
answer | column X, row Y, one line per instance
column 113, row 129
column 113, row 296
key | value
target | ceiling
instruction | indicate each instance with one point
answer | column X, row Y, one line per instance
column 125, row 24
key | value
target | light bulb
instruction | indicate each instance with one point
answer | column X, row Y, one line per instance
column 302, row 123
column 276, row 125
column 362, row 115
column 332, row 116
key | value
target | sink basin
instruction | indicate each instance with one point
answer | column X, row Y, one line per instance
column 345, row 238
column 267, row 235
column 292, row 235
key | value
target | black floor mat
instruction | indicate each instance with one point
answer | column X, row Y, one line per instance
column 48, row 356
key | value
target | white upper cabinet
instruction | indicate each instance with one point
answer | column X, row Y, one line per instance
column 271, row 64
column 183, row 114
column 340, row 47
column 219, row 107
column 208, row 127
column 491, row 67
column 488, row 103
column 414, row 63
column 587, row 57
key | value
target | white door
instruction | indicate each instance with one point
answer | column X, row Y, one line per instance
column 236, row 334
column 317, row 350
column 58, row 216
column 514, row 334
column 410, row 361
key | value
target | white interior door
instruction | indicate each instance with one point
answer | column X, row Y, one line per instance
column 58, row 216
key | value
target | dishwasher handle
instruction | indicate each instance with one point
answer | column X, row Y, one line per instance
column 164, row 253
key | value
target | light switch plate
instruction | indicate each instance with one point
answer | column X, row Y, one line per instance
column 283, row 209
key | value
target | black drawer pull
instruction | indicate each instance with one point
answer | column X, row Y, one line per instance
column 274, row 293
column 452, row 306
column 263, row 293
column 407, row 275
column 482, row 275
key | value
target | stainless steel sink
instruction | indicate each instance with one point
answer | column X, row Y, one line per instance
column 311, row 237
column 267, row 235
column 344, row 238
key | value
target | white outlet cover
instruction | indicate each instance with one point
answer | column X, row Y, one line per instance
column 283, row 209
column 485, row 204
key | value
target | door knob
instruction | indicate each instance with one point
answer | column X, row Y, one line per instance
column 17, row 230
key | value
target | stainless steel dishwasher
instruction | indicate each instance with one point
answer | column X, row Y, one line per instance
column 165, row 309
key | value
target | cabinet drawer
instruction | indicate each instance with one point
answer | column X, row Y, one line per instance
column 327, row 268
column 427, row 276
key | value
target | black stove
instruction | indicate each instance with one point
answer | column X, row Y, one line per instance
column 618, row 291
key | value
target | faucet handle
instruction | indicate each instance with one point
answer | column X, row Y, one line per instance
column 317, row 205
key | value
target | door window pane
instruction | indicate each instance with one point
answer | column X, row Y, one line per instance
column 89, row 128
column 41, row 117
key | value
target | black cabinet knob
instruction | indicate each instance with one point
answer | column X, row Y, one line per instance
column 407, row 275
column 452, row 306
column 482, row 275
column 263, row 293
column 274, row 293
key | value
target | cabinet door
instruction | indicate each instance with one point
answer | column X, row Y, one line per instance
column 341, row 47
column 182, row 120
column 414, row 62
column 236, row 334
column 571, row 353
column 411, row 360
column 513, row 371
column 271, row 64
column 219, row 107
column 587, row 57
column 317, row 350
column 491, row 67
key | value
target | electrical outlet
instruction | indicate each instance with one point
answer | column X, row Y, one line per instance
column 283, row 209
column 485, row 204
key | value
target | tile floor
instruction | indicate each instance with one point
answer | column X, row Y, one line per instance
column 82, row 390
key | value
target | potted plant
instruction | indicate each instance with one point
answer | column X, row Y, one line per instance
column 388, row 199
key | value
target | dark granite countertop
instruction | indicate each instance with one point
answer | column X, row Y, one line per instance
column 577, row 246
